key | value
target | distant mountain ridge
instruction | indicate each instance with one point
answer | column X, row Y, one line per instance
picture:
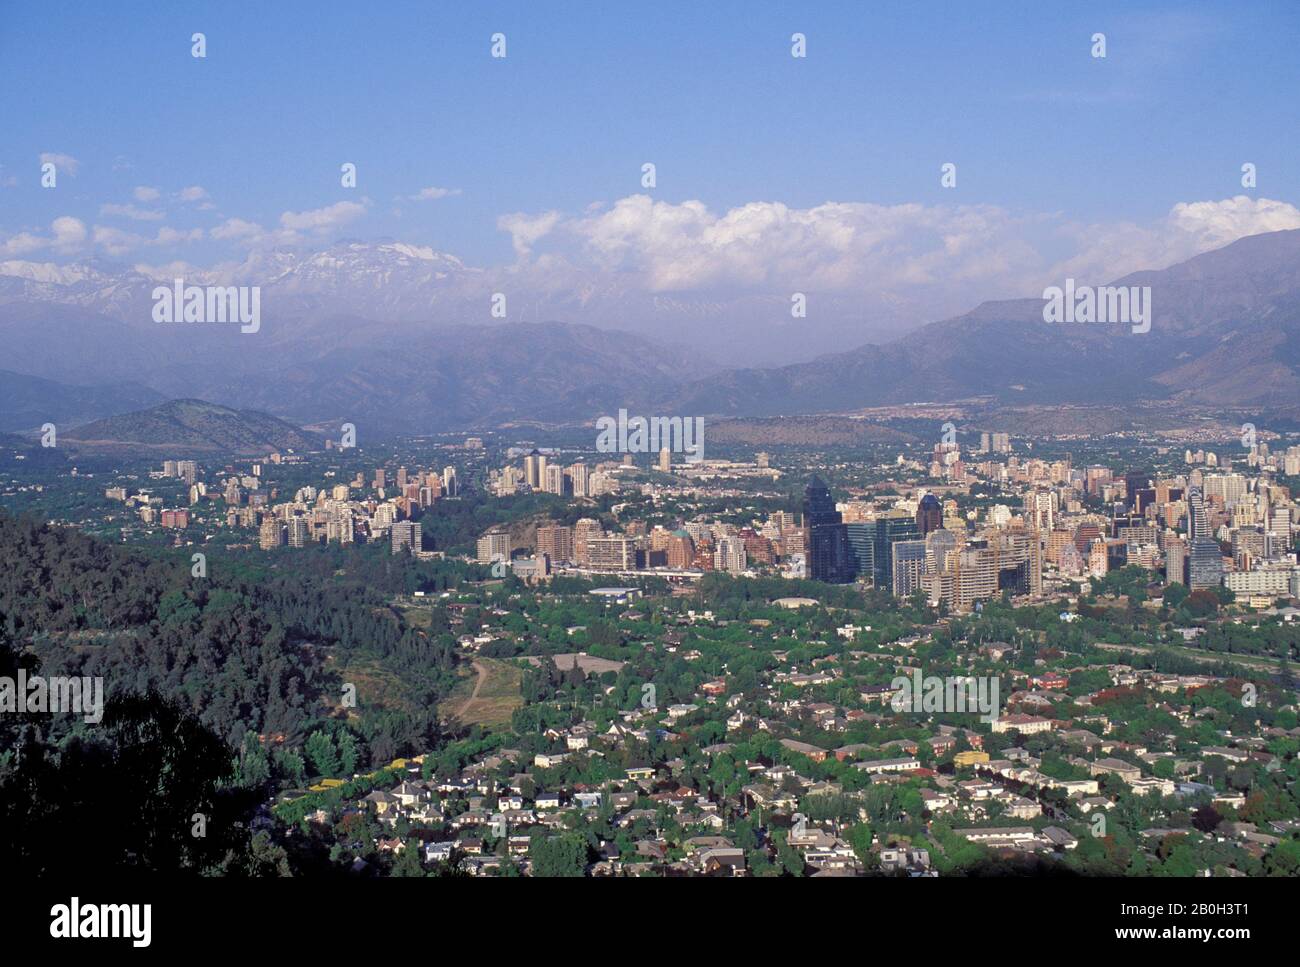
column 336, row 345
column 1225, row 331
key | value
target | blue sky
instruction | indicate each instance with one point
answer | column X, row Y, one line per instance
column 1039, row 129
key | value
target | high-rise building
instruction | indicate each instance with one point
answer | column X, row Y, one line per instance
column 299, row 531
column 494, row 546
column 729, row 555
column 680, row 549
column 271, row 534
column 578, row 474
column 553, row 480
column 889, row 530
column 1135, row 481
column 665, row 460
column 611, row 553
column 1040, row 509
column 908, row 566
column 450, row 486
column 826, row 542
column 1204, row 559
column 406, row 536
column 1175, row 561
column 929, row 514
column 583, row 531
column 556, row 542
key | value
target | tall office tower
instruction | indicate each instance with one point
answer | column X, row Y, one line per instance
column 406, row 536
column 380, row 479
column 426, row 497
column 890, row 529
column 986, row 442
column 1204, row 559
column 188, row 470
column 861, row 536
column 556, row 542
column 1001, row 443
column 554, row 480
column 929, row 514
column 401, row 478
column 1277, row 530
column 826, row 542
column 1135, row 481
column 541, row 472
column 762, row 460
column 530, row 470
column 299, row 531
column 611, row 553
column 729, row 555
column 450, row 485
column 494, row 546
column 169, row 468
column 908, row 566
column 579, row 474
column 665, row 460
column 1198, row 521
column 270, row 535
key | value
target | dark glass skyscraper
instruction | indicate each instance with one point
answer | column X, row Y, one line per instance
column 826, row 540
column 929, row 514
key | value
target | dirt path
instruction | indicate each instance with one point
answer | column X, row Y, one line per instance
column 482, row 677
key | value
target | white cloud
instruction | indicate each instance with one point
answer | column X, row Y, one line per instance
column 145, row 193
column 1108, row 251
column 63, row 162
column 525, row 230
column 237, row 229
column 323, row 219
column 117, row 242
column 23, row 243
column 66, row 237
column 193, row 193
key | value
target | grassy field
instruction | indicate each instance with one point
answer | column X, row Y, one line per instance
column 486, row 696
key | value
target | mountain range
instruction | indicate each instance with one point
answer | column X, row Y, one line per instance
column 368, row 334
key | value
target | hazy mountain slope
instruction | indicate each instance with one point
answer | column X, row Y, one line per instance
column 27, row 402
column 1225, row 329
column 188, row 426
